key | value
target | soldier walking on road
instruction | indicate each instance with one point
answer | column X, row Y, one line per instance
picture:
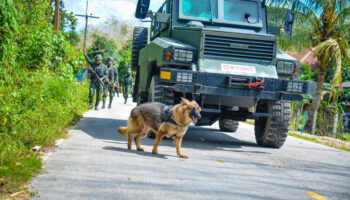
column 96, row 79
column 113, row 80
column 127, row 84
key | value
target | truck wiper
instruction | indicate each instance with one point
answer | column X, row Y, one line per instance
column 211, row 12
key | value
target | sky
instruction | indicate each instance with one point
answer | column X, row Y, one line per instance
column 106, row 9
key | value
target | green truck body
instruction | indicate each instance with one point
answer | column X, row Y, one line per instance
column 221, row 54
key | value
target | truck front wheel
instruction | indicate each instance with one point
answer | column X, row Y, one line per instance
column 272, row 131
column 228, row 125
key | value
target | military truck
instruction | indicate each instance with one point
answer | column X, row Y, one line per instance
column 221, row 53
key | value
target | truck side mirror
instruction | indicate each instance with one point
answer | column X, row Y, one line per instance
column 288, row 23
column 142, row 9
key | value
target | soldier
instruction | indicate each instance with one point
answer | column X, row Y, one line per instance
column 96, row 79
column 127, row 84
column 113, row 80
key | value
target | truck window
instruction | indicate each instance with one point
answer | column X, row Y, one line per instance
column 240, row 11
column 200, row 8
column 156, row 27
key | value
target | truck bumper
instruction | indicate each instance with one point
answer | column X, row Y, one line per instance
column 186, row 81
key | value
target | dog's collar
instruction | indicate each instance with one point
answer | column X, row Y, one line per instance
column 166, row 114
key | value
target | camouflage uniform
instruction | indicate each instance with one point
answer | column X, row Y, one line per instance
column 113, row 79
column 101, row 71
column 127, row 84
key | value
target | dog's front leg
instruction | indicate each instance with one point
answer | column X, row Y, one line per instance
column 159, row 136
column 177, row 142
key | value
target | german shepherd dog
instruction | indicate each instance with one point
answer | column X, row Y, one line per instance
column 163, row 120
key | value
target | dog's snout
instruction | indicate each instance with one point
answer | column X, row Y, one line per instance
column 198, row 114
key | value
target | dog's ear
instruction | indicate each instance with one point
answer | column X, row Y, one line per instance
column 184, row 101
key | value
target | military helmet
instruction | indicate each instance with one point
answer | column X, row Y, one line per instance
column 99, row 57
column 110, row 59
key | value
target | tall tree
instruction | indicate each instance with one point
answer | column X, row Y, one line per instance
column 57, row 15
column 66, row 20
column 329, row 34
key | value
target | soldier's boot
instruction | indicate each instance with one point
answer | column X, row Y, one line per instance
column 91, row 104
column 125, row 101
column 96, row 106
column 104, row 105
column 110, row 104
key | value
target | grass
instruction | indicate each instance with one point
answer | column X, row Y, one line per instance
column 318, row 141
column 346, row 137
column 249, row 121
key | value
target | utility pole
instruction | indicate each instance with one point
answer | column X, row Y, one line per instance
column 86, row 22
column 57, row 14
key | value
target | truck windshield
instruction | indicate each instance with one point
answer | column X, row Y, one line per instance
column 200, row 8
column 241, row 11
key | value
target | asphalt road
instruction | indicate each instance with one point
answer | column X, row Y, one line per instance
column 94, row 163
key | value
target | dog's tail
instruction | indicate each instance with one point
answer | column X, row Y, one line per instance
column 123, row 131
column 132, row 123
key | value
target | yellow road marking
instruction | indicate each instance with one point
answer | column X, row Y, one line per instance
column 315, row 196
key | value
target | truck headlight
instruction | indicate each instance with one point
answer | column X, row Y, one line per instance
column 183, row 55
column 285, row 67
column 295, row 86
column 185, row 77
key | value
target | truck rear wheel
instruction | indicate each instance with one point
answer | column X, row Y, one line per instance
column 140, row 39
column 272, row 131
column 228, row 125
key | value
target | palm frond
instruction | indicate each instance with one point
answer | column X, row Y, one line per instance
column 299, row 41
column 343, row 16
column 327, row 51
column 299, row 5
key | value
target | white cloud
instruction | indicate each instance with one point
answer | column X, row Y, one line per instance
column 107, row 10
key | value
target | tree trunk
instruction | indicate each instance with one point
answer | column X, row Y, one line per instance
column 317, row 100
column 335, row 125
column 57, row 15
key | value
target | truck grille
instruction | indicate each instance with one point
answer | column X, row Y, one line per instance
column 238, row 48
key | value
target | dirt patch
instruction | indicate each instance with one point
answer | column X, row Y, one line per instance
column 326, row 140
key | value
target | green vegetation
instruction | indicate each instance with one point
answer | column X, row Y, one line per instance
column 346, row 137
column 321, row 27
column 38, row 92
column 108, row 48
column 250, row 121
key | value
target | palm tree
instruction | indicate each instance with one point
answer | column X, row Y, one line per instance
column 326, row 25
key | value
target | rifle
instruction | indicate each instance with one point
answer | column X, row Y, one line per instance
column 98, row 51
column 98, row 78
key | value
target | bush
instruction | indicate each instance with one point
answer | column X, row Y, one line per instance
column 32, row 116
column 38, row 93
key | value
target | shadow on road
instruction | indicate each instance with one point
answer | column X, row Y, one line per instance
column 141, row 153
column 195, row 138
